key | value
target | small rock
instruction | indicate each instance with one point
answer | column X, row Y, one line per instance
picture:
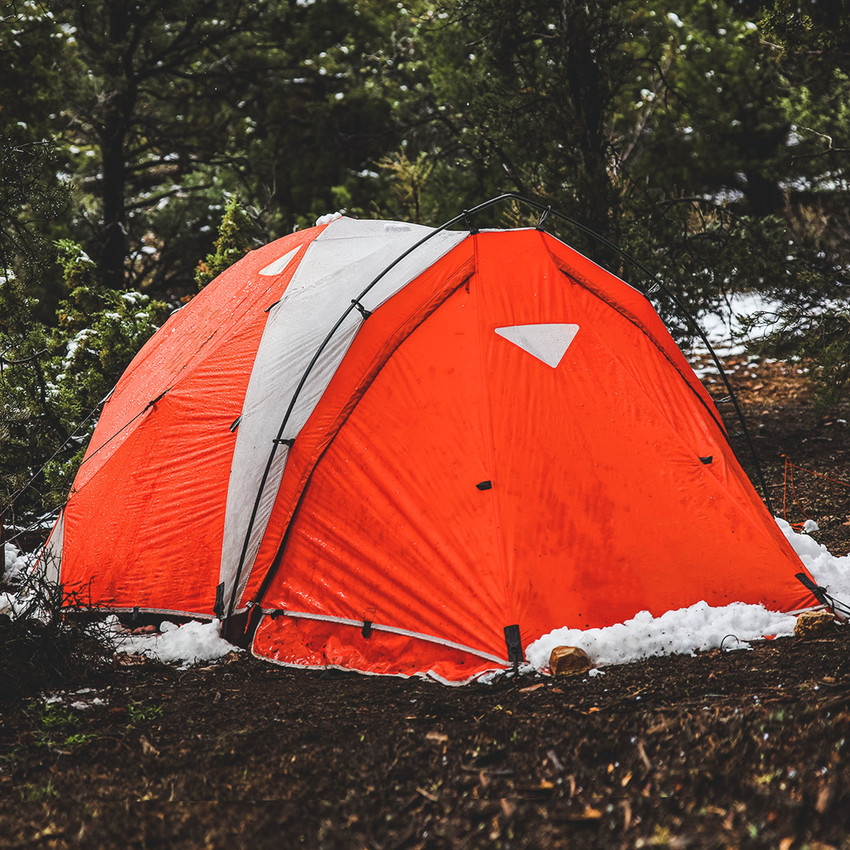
column 813, row 623
column 569, row 661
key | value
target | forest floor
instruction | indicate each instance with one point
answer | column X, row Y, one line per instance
column 722, row 749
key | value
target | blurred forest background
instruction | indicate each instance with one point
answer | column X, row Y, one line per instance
column 146, row 145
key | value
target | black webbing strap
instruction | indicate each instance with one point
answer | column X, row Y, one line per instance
column 513, row 642
column 817, row 591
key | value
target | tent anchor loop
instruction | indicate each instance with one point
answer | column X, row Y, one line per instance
column 366, row 631
column 361, row 309
column 543, row 216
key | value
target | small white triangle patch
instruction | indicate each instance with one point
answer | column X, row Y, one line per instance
column 548, row 343
column 280, row 263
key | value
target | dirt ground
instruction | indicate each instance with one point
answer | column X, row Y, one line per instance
column 723, row 749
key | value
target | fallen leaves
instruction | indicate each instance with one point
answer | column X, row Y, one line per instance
column 437, row 737
column 588, row 814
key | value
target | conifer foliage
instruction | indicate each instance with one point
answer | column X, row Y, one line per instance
column 709, row 138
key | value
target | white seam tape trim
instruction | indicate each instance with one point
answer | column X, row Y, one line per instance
column 344, row 621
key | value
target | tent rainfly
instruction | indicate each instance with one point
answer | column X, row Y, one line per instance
column 387, row 443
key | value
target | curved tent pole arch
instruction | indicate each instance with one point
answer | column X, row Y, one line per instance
column 467, row 216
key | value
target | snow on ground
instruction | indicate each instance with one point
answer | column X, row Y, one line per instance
column 700, row 627
column 829, row 571
column 14, row 562
column 724, row 327
column 680, row 632
column 191, row 643
column 14, row 565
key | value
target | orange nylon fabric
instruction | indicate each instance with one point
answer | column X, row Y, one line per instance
column 512, row 438
column 144, row 520
column 473, row 486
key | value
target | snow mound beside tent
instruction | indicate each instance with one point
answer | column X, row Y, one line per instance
column 685, row 631
column 700, row 627
column 192, row 643
column 14, row 562
column 829, row 571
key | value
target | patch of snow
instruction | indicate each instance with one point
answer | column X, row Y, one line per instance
column 328, row 218
column 14, row 563
column 724, row 327
column 81, row 705
column 191, row 643
column 11, row 605
column 491, row 676
column 79, row 699
column 682, row 632
column 828, row 571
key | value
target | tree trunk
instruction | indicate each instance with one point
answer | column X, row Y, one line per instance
column 114, row 250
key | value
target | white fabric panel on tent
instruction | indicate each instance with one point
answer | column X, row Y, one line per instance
column 52, row 556
column 546, row 342
column 336, row 268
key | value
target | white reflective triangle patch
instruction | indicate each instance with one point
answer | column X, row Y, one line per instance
column 548, row 343
column 280, row 263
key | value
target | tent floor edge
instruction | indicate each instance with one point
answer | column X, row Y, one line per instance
column 320, row 642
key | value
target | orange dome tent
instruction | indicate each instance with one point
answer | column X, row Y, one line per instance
column 389, row 443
